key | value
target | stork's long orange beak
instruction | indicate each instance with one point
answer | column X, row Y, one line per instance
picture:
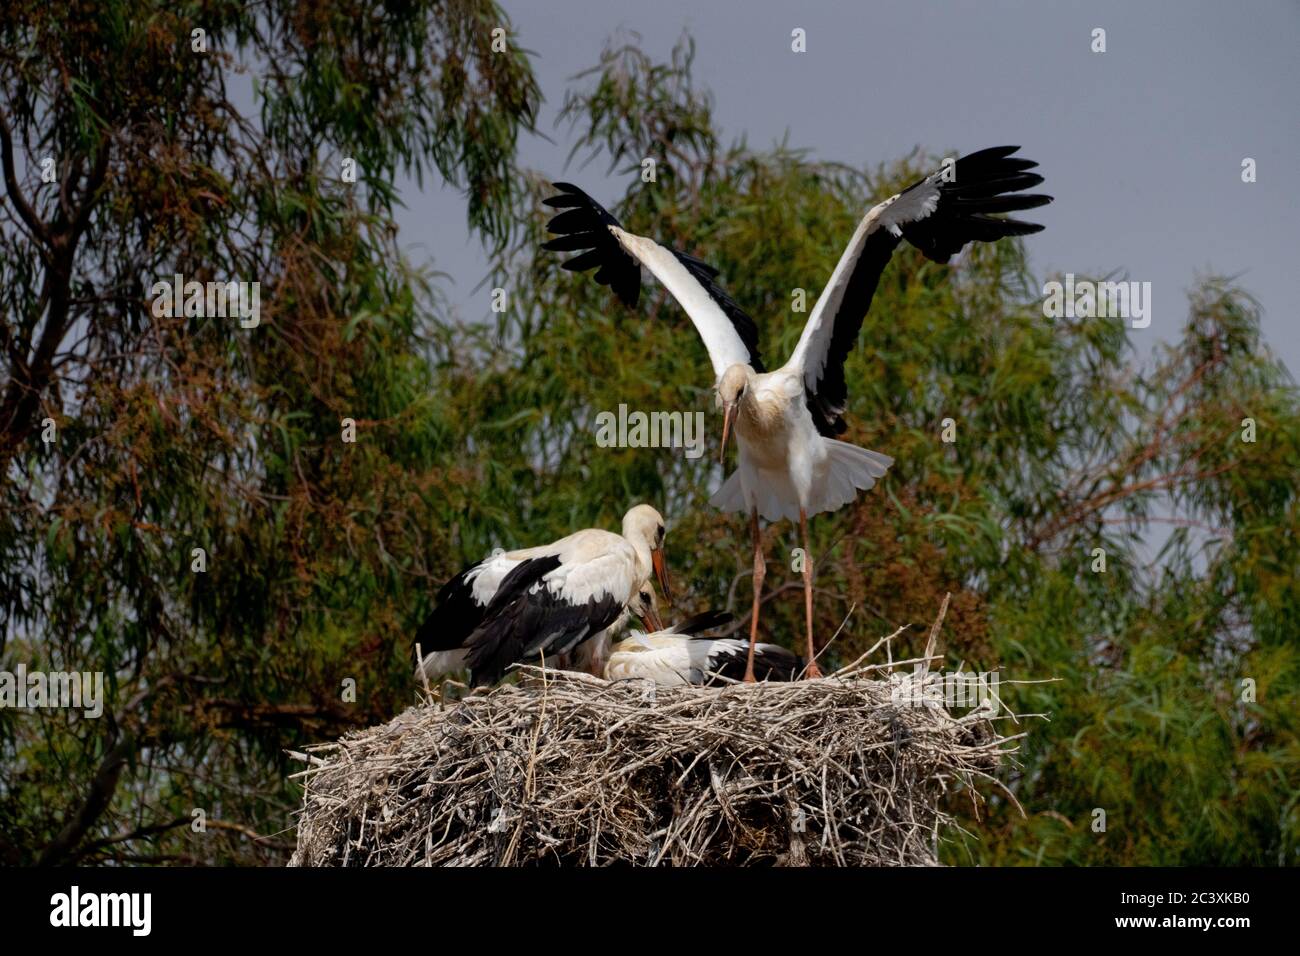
column 728, row 416
column 661, row 573
column 650, row 620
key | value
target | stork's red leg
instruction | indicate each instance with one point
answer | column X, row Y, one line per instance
column 812, row 670
column 760, row 569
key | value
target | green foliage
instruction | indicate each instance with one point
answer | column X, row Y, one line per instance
column 323, row 556
column 1065, row 443
column 182, row 433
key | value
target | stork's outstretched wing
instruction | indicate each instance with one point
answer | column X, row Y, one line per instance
column 938, row 215
column 729, row 334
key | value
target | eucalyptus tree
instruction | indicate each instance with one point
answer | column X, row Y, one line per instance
column 182, row 510
column 360, row 444
column 1126, row 527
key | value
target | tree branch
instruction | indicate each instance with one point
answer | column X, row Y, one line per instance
column 102, row 788
column 25, row 211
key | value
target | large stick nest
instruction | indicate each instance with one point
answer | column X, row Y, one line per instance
column 568, row 769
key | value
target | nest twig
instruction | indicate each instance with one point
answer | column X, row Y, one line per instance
column 567, row 769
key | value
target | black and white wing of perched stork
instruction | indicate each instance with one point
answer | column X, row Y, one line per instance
column 542, row 603
column 790, row 463
column 682, row 654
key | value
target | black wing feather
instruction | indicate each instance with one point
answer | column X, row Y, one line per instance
column 454, row 617
column 525, row 622
column 983, row 184
column 584, row 225
column 828, row 401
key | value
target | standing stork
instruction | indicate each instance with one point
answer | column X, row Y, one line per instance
column 543, row 602
column 790, row 463
column 682, row 654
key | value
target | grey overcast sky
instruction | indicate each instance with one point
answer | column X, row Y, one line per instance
column 1141, row 145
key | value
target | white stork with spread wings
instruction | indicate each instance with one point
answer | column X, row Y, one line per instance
column 790, row 463
column 559, row 602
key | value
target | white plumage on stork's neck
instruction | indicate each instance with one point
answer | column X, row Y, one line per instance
column 790, row 463
column 550, row 602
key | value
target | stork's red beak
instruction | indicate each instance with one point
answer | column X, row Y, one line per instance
column 661, row 573
column 728, row 416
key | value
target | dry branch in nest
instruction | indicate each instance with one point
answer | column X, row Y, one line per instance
column 567, row 769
